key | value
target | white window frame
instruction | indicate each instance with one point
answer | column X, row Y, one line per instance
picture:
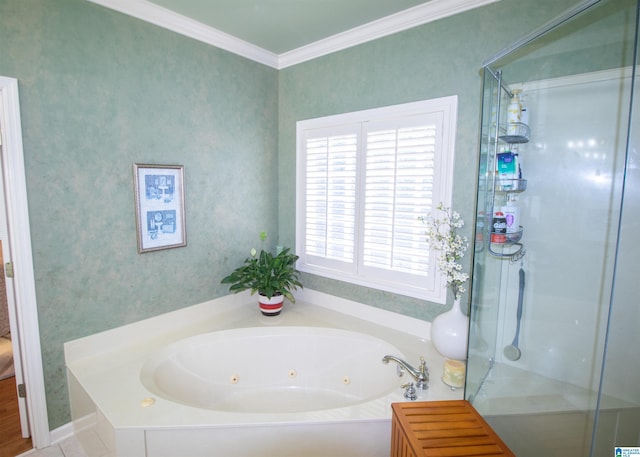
column 430, row 287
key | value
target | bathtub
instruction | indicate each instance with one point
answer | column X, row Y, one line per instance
column 220, row 379
column 287, row 370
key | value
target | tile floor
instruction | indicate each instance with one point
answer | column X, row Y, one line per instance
column 69, row 447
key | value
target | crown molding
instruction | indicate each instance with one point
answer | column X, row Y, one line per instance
column 412, row 17
column 162, row 17
column 404, row 20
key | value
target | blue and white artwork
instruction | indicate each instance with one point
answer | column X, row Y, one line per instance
column 159, row 187
column 160, row 206
column 159, row 222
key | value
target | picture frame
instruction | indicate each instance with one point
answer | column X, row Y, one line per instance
column 159, row 204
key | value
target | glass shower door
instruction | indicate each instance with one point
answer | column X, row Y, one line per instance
column 486, row 271
column 618, row 421
column 570, row 276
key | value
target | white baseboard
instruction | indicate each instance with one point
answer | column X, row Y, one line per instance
column 61, row 433
column 55, row 436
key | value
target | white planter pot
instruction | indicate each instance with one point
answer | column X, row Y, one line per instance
column 270, row 306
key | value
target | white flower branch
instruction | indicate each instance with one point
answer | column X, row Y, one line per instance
column 442, row 235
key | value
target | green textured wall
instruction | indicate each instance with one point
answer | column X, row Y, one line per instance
column 594, row 41
column 438, row 59
column 100, row 91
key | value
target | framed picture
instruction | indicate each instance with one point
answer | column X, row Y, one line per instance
column 159, row 196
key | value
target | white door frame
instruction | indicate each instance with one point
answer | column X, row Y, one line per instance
column 10, row 301
column 19, row 241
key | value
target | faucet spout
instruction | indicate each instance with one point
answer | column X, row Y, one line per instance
column 421, row 375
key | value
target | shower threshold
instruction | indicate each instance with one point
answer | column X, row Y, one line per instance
column 508, row 389
column 538, row 416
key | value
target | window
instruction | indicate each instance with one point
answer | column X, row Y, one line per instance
column 363, row 181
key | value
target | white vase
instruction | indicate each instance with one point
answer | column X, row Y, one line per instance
column 449, row 333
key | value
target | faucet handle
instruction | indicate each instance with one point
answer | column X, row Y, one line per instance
column 423, row 366
column 410, row 392
column 423, row 381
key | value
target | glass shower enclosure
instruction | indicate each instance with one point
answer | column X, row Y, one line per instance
column 554, row 345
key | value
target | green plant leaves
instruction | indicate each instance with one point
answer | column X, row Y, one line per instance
column 266, row 274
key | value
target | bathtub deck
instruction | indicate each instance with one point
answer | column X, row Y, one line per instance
column 110, row 403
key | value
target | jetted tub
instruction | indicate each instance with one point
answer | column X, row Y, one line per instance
column 286, row 370
column 220, row 380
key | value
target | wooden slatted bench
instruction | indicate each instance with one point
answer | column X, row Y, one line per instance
column 451, row 428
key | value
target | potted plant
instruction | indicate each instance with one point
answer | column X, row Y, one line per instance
column 274, row 277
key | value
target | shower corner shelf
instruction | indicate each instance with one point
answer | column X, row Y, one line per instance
column 512, row 254
column 511, row 185
column 517, row 133
column 506, row 242
column 506, row 239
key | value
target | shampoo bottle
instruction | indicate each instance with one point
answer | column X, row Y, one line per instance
column 512, row 214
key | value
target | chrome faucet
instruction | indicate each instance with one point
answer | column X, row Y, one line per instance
column 421, row 375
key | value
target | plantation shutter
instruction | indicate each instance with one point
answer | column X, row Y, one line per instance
column 330, row 203
column 364, row 180
column 399, row 189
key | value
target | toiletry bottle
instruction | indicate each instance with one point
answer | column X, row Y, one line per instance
column 514, row 113
column 499, row 228
column 480, row 227
column 512, row 214
column 507, row 169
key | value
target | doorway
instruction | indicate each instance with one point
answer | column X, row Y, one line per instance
column 15, row 235
column 14, row 443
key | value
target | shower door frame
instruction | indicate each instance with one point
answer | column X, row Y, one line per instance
column 489, row 149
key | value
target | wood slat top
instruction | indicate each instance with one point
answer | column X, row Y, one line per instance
column 451, row 428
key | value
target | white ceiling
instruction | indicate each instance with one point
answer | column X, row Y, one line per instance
column 280, row 33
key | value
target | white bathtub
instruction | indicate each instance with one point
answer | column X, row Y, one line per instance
column 220, row 380
column 286, row 370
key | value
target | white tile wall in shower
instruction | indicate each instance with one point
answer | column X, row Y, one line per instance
column 569, row 214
